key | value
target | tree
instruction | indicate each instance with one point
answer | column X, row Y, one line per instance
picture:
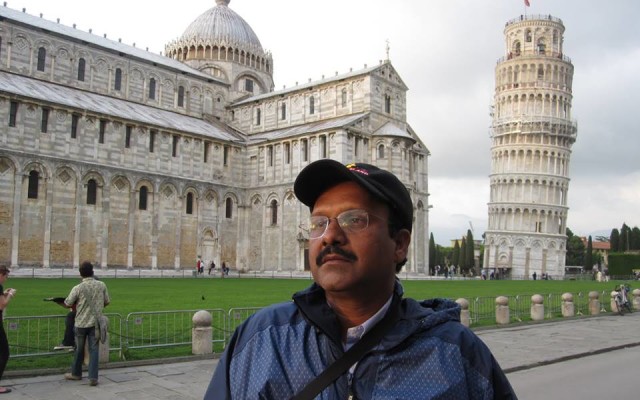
column 462, row 257
column 588, row 256
column 455, row 254
column 614, row 240
column 635, row 238
column 432, row 253
column 470, row 250
column 625, row 234
column 575, row 250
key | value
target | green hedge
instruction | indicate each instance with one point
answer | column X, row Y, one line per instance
column 623, row 263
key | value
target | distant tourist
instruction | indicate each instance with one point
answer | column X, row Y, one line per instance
column 5, row 297
column 90, row 297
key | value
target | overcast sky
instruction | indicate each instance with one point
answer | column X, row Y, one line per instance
column 445, row 51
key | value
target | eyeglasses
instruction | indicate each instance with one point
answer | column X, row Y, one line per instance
column 349, row 221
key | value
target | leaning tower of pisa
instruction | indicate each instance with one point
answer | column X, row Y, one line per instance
column 531, row 137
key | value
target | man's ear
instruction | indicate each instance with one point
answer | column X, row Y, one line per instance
column 402, row 240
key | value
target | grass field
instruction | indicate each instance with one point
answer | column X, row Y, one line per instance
column 130, row 295
column 165, row 294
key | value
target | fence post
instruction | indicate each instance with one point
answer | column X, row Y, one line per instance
column 537, row 307
column 594, row 303
column 201, row 334
column 568, row 308
column 502, row 310
column 636, row 299
column 464, row 312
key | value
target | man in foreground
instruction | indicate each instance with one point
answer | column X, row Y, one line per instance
column 359, row 235
column 90, row 298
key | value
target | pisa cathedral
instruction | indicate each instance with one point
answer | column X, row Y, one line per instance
column 129, row 159
column 532, row 134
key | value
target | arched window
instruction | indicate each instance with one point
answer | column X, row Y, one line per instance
column 541, row 46
column 274, row 212
column 323, row 146
column 258, row 116
column 283, row 111
column 152, row 88
column 81, row 66
column 387, row 104
column 516, row 48
column 118, row 83
column 380, row 151
column 312, row 105
column 32, row 191
column 555, row 37
column 540, row 72
column 181, row 96
column 527, row 35
column 270, row 156
column 144, row 193
column 42, row 56
column 304, row 149
column 287, row 153
column 189, row 203
column 228, row 208
column 344, row 97
column 92, row 189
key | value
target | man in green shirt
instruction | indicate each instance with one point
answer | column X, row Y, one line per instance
column 90, row 297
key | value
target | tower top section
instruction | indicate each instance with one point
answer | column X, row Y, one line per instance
column 534, row 35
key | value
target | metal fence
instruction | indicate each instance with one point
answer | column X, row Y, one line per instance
column 482, row 310
column 169, row 328
column 37, row 335
column 237, row 316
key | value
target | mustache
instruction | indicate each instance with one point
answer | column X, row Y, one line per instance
column 332, row 249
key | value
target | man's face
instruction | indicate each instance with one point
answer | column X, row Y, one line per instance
column 3, row 278
column 364, row 262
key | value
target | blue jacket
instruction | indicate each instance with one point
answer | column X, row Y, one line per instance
column 427, row 354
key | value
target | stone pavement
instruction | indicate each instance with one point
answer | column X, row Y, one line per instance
column 515, row 347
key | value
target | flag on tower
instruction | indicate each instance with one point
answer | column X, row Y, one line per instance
column 526, row 3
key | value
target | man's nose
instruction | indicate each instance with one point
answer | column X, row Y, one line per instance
column 334, row 232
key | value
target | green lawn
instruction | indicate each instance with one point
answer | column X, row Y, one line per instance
column 151, row 294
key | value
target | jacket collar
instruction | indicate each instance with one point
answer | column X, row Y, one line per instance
column 313, row 305
column 413, row 315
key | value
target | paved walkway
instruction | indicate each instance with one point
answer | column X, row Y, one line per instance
column 516, row 348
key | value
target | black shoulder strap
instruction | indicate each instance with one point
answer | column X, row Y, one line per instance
column 353, row 355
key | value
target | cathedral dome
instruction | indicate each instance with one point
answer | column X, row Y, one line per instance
column 221, row 26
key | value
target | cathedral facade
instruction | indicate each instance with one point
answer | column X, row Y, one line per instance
column 129, row 159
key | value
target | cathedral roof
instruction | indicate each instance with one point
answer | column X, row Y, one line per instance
column 118, row 47
column 105, row 105
column 311, row 127
column 392, row 129
column 221, row 26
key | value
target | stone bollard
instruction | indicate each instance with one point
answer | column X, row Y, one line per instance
column 201, row 333
column 568, row 308
column 464, row 312
column 594, row 303
column 614, row 306
column 502, row 310
column 103, row 351
column 537, row 308
column 636, row 299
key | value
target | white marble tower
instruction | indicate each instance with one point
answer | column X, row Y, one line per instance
column 532, row 133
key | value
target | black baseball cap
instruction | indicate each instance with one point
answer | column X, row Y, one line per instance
column 322, row 175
